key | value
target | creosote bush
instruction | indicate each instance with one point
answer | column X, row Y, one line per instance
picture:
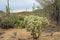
column 35, row 25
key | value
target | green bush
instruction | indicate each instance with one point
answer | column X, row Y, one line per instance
column 15, row 21
column 22, row 22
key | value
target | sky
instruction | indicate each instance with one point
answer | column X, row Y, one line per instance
column 18, row 5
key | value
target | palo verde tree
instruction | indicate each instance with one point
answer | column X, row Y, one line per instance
column 56, row 12
column 35, row 25
column 56, row 8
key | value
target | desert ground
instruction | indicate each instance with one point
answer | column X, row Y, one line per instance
column 22, row 34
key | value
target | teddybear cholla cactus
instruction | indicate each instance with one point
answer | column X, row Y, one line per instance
column 35, row 25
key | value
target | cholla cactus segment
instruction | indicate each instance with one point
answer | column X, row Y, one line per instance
column 35, row 23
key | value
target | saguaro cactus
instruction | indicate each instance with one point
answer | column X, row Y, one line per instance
column 7, row 7
column 33, row 7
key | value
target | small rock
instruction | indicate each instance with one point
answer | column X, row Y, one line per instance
column 12, row 39
column 1, row 36
column 21, row 39
column 1, row 33
column 15, row 33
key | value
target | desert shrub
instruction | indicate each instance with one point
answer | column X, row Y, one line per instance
column 35, row 25
column 12, row 21
column 19, row 21
column 22, row 22
column 5, row 23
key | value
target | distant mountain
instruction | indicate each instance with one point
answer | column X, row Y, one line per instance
column 23, row 13
column 39, row 11
column 30, row 13
column 1, row 12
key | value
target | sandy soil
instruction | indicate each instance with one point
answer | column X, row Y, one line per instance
column 22, row 34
